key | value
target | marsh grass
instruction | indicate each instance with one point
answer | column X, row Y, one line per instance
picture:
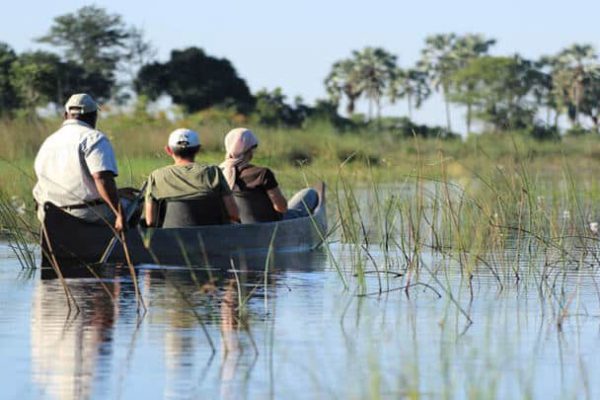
column 525, row 227
column 18, row 232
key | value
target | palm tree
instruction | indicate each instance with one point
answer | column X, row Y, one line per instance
column 542, row 89
column 444, row 54
column 590, row 103
column 376, row 70
column 344, row 80
column 412, row 85
column 471, row 46
column 569, row 70
column 438, row 58
column 368, row 71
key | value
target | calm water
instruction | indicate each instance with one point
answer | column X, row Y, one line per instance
column 296, row 334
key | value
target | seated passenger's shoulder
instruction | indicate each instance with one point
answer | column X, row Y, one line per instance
column 205, row 169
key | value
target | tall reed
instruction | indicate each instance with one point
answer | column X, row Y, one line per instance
column 523, row 226
column 18, row 232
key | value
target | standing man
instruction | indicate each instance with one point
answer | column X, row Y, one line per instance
column 76, row 167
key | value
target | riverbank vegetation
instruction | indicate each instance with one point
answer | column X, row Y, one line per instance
column 318, row 150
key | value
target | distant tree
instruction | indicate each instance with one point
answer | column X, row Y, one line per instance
column 470, row 46
column 444, row 54
column 138, row 51
column 195, row 80
column 99, row 42
column 542, row 91
column 464, row 90
column 569, row 69
column 499, row 87
column 302, row 111
column 590, row 101
column 34, row 76
column 74, row 78
column 344, row 80
column 376, row 71
column 8, row 97
column 410, row 84
column 368, row 72
column 90, row 36
column 271, row 108
column 41, row 77
column 440, row 61
column 325, row 109
column 467, row 48
column 152, row 80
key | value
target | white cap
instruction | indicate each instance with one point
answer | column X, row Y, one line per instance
column 184, row 138
column 81, row 103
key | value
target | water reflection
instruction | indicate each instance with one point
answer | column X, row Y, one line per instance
column 68, row 348
column 198, row 330
column 237, row 356
column 296, row 333
column 181, row 304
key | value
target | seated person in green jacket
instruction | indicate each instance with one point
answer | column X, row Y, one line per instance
column 187, row 193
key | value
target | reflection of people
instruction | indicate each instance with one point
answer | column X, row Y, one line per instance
column 68, row 354
column 232, row 347
column 255, row 188
column 76, row 166
column 191, row 193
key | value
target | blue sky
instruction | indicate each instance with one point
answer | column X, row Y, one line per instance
column 293, row 44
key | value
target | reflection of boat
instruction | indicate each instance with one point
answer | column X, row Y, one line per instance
column 72, row 241
column 213, row 267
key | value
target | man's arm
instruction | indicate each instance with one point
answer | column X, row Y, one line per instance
column 150, row 212
column 107, row 188
column 278, row 200
column 231, row 208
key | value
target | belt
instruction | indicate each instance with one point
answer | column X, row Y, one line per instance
column 87, row 204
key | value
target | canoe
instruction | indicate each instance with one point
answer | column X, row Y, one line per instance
column 69, row 241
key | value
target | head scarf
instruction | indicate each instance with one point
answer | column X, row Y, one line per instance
column 238, row 143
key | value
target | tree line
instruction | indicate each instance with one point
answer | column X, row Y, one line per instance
column 97, row 52
column 502, row 92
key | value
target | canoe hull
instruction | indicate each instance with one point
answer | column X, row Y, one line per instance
column 71, row 241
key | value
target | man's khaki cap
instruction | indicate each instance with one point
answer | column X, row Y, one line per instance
column 81, row 103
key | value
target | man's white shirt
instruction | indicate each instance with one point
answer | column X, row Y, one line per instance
column 66, row 161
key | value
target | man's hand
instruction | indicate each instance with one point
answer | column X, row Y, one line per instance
column 120, row 223
column 231, row 208
column 107, row 188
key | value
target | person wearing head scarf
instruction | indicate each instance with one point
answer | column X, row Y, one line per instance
column 255, row 188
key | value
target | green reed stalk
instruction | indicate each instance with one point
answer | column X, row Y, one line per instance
column 268, row 263
column 19, row 234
